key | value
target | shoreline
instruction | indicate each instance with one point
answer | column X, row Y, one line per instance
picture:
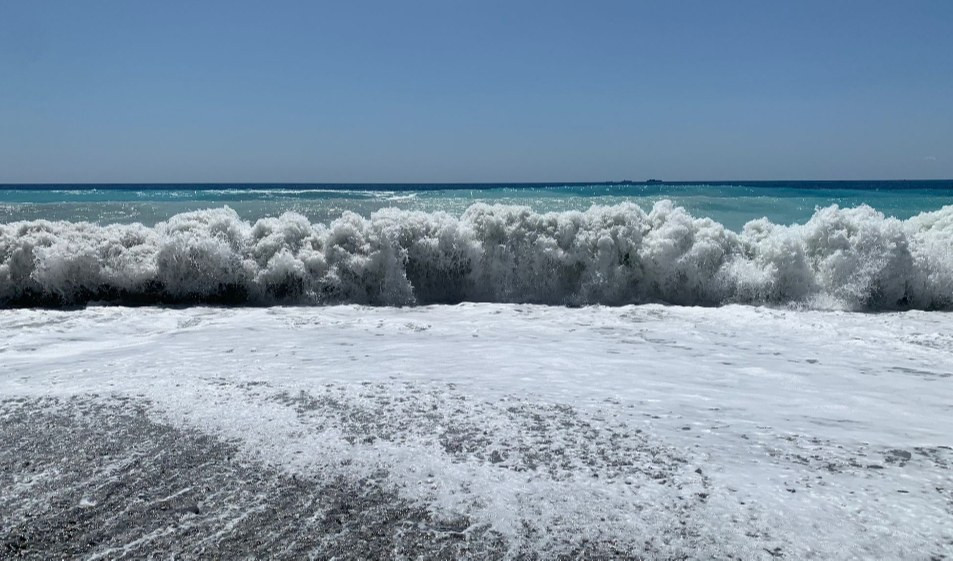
column 476, row 431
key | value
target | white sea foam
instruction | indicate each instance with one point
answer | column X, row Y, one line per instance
column 852, row 258
column 736, row 432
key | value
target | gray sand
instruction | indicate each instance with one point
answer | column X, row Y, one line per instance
column 95, row 477
column 84, row 478
column 91, row 478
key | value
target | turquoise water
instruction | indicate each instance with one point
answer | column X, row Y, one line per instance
column 730, row 203
column 238, row 244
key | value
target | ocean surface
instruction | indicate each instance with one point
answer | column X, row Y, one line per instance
column 753, row 371
column 730, row 203
column 844, row 245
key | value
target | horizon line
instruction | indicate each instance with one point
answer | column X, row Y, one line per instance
column 651, row 181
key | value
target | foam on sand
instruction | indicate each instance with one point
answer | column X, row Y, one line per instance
column 664, row 432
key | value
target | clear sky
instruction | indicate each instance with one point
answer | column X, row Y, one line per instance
column 447, row 91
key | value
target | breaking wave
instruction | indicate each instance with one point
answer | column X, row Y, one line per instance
column 841, row 258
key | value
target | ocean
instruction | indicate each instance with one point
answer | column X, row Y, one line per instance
column 753, row 370
column 730, row 203
column 846, row 245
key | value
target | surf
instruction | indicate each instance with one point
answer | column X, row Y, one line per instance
column 842, row 258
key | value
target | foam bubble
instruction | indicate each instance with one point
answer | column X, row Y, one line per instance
column 853, row 258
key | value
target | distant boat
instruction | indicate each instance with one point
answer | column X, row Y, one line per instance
column 653, row 182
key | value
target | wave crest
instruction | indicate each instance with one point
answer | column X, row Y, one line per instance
column 841, row 258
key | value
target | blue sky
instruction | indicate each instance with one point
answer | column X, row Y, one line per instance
column 446, row 91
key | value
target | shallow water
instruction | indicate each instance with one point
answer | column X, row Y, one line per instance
column 678, row 432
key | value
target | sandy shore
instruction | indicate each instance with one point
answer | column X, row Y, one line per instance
column 100, row 478
column 479, row 431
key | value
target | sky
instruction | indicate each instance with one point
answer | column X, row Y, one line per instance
column 474, row 91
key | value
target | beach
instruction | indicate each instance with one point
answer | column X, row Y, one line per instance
column 477, row 430
column 522, row 281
